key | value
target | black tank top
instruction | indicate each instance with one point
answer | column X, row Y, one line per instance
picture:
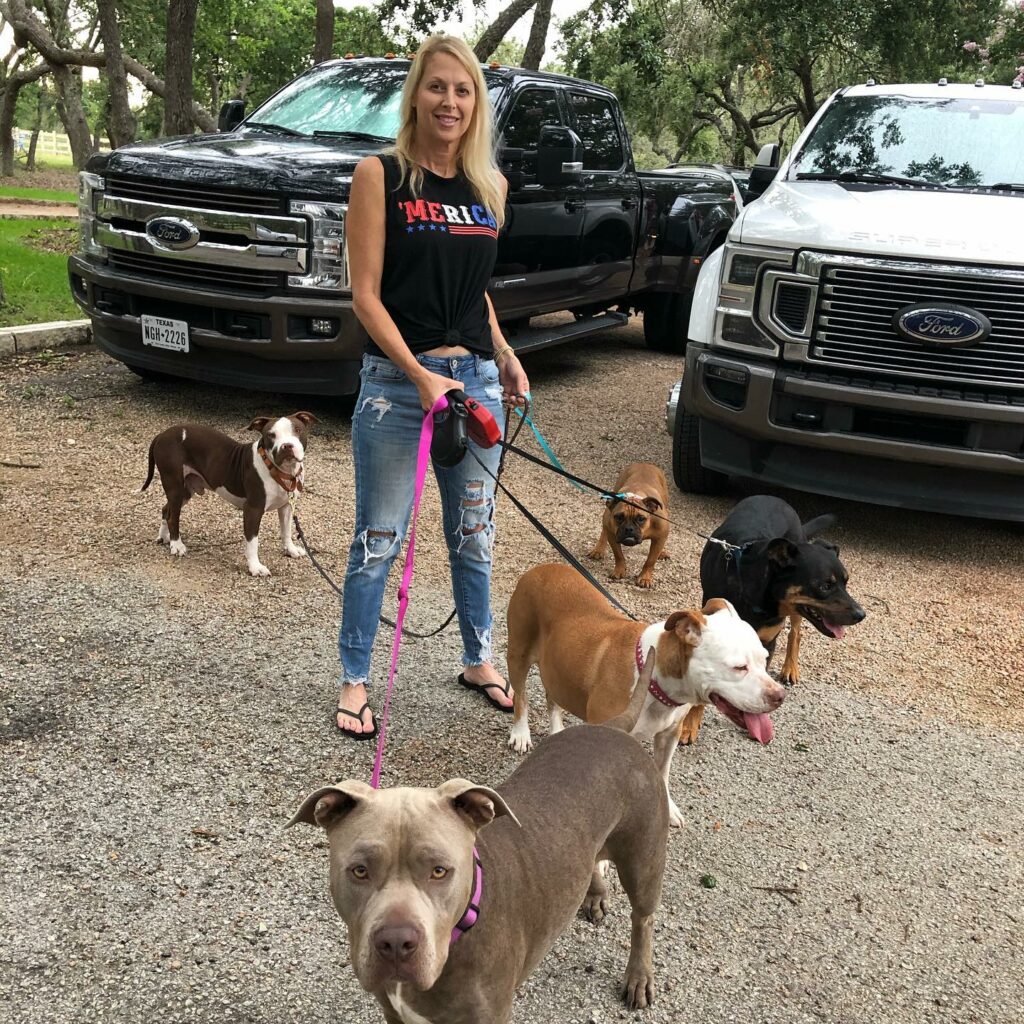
column 439, row 253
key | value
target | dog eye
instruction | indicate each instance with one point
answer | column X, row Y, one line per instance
column 360, row 872
column 828, row 586
column 740, row 668
column 438, row 872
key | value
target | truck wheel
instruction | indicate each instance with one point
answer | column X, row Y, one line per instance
column 666, row 321
column 689, row 474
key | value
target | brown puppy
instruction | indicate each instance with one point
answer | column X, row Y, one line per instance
column 626, row 525
column 255, row 477
column 588, row 656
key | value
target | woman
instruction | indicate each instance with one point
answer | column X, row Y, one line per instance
column 422, row 240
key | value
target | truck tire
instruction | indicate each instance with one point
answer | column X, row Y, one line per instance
column 666, row 321
column 687, row 470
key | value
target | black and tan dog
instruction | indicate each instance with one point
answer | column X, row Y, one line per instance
column 624, row 524
column 778, row 568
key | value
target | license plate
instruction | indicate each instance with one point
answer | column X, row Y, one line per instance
column 161, row 333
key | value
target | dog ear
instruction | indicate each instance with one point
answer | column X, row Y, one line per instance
column 687, row 625
column 477, row 805
column 653, row 504
column 719, row 604
column 330, row 804
column 821, row 542
column 305, row 417
column 259, row 423
column 781, row 551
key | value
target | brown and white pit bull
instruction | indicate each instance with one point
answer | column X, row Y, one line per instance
column 438, row 942
column 625, row 525
column 588, row 658
column 255, row 477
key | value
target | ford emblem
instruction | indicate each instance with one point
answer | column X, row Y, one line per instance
column 942, row 324
column 172, row 232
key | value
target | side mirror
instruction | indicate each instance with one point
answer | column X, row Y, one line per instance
column 766, row 166
column 559, row 156
column 231, row 115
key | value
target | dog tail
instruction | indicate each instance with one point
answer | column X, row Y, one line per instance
column 152, row 464
column 628, row 719
column 819, row 525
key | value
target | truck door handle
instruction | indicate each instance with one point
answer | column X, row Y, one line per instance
column 629, row 204
column 572, row 205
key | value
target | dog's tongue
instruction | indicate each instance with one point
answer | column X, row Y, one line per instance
column 837, row 631
column 759, row 726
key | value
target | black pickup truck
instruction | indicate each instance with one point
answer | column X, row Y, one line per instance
column 222, row 257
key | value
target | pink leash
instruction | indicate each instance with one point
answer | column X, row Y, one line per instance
column 422, row 462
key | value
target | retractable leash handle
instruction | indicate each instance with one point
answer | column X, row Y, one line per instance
column 460, row 420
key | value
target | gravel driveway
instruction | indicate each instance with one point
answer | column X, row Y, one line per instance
column 161, row 718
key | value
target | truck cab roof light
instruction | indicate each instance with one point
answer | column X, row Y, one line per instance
column 350, row 56
column 979, row 83
column 942, row 81
column 494, row 64
column 389, row 56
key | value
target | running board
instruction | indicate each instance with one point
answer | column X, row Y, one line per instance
column 528, row 340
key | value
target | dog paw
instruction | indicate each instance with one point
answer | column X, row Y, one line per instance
column 620, row 573
column 258, row 569
column 520, row 744
column 675, row 816
column 595, row 554
column 294, row 552
column 178, row 548
column 645, row 580
column 164, row 536
column 664, row 554
column 638, row 989
column 595, row 907
column 788, row 676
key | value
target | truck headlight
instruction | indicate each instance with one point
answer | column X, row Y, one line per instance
column 742, row 267
column 328, row 262
column 90, row 188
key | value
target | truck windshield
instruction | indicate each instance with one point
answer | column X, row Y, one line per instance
column 358, row 98
column 959, row 143
column 361, row 100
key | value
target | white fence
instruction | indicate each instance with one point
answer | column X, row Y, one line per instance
column 49, row 144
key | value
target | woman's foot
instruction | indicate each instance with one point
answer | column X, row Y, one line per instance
column 353, row 715
column 490, row 682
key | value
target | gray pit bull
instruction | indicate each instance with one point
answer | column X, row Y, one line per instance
column 405, row 882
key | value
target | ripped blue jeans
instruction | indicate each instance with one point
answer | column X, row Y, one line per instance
column 385, row 437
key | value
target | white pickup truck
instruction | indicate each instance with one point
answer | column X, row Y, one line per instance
column 861, row 332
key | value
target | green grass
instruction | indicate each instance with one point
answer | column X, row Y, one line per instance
column 36, row 286
column 10, row 192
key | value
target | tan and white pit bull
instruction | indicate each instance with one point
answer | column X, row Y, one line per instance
column 438, row 942
column 256, row 477
column 587, row 656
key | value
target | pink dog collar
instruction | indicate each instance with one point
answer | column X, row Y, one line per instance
column 472, row 914
column 653, row 689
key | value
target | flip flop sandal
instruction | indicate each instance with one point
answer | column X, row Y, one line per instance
column 482, row 689
column 358, row 716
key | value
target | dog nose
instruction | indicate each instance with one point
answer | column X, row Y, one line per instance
column 397, row 943
column 774, row 695
column 859, row 615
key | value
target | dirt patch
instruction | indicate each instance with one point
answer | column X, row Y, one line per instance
column 21, row 208
column 53, row 181
column 63, row 241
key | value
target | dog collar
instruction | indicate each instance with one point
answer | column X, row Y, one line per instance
column 653, row 688
column 279, row 476
column 472, row 912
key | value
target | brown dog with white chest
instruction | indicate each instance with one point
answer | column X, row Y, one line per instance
column 641, row 486
column 256, row 477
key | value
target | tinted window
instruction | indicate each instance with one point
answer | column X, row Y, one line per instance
column 599, row 132
column 534, row 109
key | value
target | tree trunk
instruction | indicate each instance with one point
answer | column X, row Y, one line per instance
column 323, row 43
column 538, row 41
column 71, row 111
column 499, row 28
column 10, row 97
column 30, row 157
column 181, row 31
column 121, row 121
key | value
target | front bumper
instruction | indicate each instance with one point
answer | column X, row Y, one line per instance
column 241, row 340
column 937, row 449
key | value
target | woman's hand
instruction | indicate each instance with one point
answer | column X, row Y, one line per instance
column 514, row 383
column 431, row 386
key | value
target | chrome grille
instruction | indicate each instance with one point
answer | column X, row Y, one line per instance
column 200, row 274
column 854, row 321
column 193, row 195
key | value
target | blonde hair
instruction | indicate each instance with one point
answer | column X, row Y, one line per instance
column 475, row 157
